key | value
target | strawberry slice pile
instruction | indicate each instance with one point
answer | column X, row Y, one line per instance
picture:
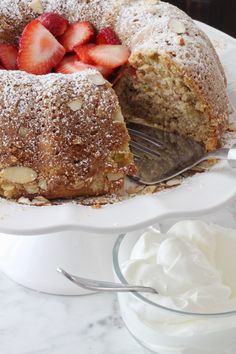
column 51, row 44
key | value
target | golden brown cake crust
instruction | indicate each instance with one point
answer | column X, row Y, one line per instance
column 67, row 128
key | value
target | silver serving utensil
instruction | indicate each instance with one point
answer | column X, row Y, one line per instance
column 160, row 156
column 104, row 286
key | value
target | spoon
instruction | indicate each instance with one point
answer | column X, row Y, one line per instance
column 104, row 286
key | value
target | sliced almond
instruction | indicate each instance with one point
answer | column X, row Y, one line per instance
column 177, row 26
column 149, row 190
column 36, row 6
column 23, row 132
column 7, row 187
column 135, row 189
column 77, row 141
column 75, row 105
column 8, row 190
column 174, row 182
column 40, row 201
column 42, row 184
column 97, row 79
column 118, row 117
column 23, row 200
column 31, row 188
column 199, row 168
column 114, row 176
column 19, row 174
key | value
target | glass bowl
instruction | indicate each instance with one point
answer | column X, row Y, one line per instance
column 166, row 331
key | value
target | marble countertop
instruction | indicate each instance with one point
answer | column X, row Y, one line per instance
column 36, row 323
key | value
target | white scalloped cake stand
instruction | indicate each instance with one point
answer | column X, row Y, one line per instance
column 34, row 241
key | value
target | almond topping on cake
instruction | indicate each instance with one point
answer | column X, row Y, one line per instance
column 75, row 105
column 118, row 117
column 177, row 26
column 18, row 174
column 97, row 79
column 36, row 6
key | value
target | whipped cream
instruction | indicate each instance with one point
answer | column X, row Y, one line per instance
column 192, row 267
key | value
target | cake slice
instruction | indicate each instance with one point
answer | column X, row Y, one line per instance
column 174, row 80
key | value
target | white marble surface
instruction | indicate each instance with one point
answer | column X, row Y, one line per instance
column 36, row 323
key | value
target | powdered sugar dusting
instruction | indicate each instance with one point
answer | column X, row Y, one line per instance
column 38, row 106
column 147, row 29
column 15, row 14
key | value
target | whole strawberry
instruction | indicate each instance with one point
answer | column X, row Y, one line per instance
column 107, row 36
column 56, row 24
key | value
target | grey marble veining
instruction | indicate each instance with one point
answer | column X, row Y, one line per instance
column 35, row 323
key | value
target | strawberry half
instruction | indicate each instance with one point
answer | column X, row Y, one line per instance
column 82, row 52
column 39, row 50
column 70, row 65
column 107, row 36
column 8, row 56
column 76, row 34
column 110, row 56
column 55, row 23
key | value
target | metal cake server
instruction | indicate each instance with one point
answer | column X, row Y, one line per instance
column 104, row 286
column 160, row 156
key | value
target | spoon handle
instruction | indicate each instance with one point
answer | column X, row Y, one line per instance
column 104, row 286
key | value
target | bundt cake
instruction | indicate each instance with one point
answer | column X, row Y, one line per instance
column 64, row 135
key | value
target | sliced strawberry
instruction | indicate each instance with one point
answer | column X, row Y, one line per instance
column 82, row 52
column 55, row 23
column 110, row 56
column 107, row 36
column 76, row 34
column 70, row 65
column 8, row 56
column 2, row 68
column 39, row 50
